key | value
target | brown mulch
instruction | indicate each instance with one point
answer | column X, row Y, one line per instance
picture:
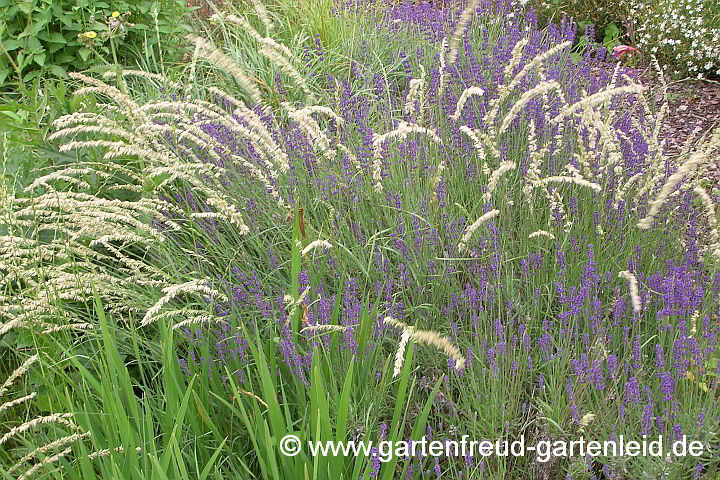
column 692, row 104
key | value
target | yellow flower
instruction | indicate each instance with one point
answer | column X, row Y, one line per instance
column 115, row 14
column 90, row 34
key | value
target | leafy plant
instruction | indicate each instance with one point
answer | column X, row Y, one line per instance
column 40, row 37
column 611, row 37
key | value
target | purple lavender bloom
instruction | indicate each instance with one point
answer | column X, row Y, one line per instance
column 667, row 385
column 612, row 365
column 677, row 431
column 382, row 431
column 647, row 419
column 375, row 461
column 632, row 391
column 659, row 357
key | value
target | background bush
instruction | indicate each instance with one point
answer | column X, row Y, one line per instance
column 683, row 34
column 41, row 36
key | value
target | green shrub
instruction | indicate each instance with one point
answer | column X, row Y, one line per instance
column 600, row 13
column 683, row 34
column 57, row 36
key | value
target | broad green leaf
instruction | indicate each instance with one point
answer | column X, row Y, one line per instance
column 57, row 70
column 10, row 44
column 344, row 404
column 84, row 53
column 57, row 37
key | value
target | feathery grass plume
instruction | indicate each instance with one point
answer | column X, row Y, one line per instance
column 243, row 22
column 250, row 30
column 46, row 461
column 310, row 126
column 17, row 401
column 114, row 94
column 193, row 286
column 309, row 110
column 709, row 209
column 323, row 328
column 263, row 15
column 695, row 160
column 542, row 233
column 576, row 180
column 515, row 56
column 401, row 132
column 223, row 62
column 587, row 419
column 393, row 322
column 714, row 243
column 442, row 72
column 506, row 90
column 603, row 141
column 113, row 130
column 230, row 212
column 167, row 164
column 64, row 419
column 286, row 67
column 256, row 125
column 416, row 93
column 595, row 99
column 467, row 93
column 61, row 442
column 191, row 74
column 634, row 295
column 495, row 177
column 693, row 323
column 105, row 452
column 477, row 143
column 400, row 354
column 534, row 171
column 623, row 189
column 315, row 244
column 441, row 343
column 474, row 226
column 18, row 372
column 72, row 326
column 557, row 205
column 427, row 337
column 259, row 136
column 540, row 89
column 462, row 24
column 204, row 318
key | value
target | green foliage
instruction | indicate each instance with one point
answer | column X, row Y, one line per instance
column 609, row 41
column 684, row 35
column 24, row 126
column 41, row 37
column 600, row 13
